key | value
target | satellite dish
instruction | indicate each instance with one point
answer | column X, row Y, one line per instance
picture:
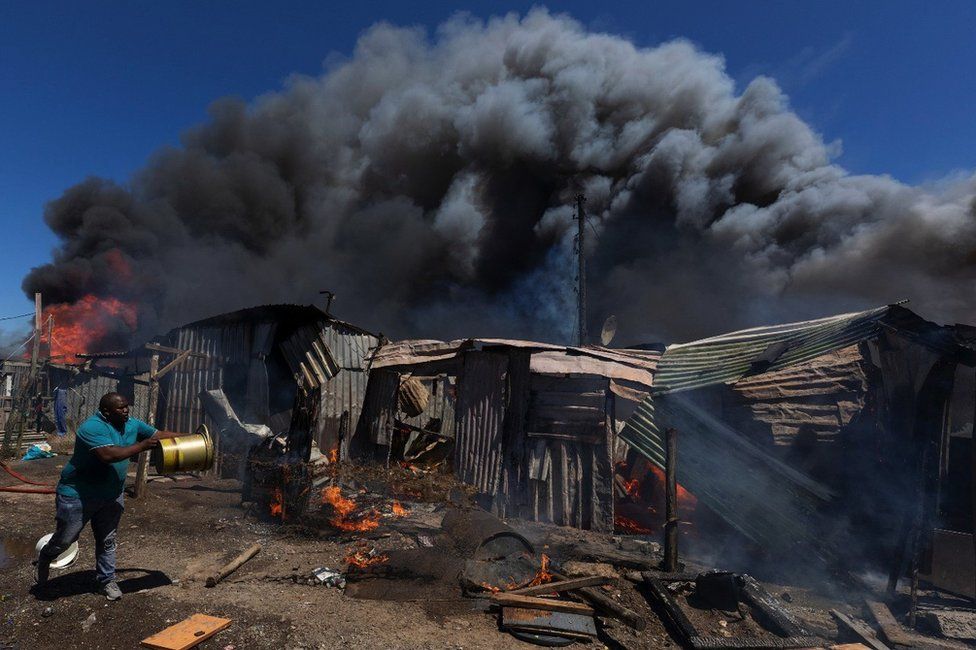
column 609, row 329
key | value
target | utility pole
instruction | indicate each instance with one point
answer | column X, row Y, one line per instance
column 36, row 350
column 581, row 271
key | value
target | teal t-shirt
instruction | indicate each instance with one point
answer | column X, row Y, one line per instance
column 85, row 476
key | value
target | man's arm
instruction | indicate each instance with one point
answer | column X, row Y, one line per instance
column 115, row 453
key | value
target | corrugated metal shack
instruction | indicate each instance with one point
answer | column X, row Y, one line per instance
column 781, row 428
column 534, row 425
column 84, row 384
column 266, row 357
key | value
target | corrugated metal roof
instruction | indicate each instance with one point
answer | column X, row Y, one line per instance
column 729, row 357
column 632, row 365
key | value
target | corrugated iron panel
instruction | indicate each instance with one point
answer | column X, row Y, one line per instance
column 824, row 394
column 729, row 357
column 341, row 403
column 378, row 411
column 481, row 414
column 764, row 499
column 350, row 347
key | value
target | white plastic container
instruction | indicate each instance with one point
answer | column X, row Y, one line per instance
column 62, row 561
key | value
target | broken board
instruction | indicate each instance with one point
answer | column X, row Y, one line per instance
column 560, row 624
column 186, row 633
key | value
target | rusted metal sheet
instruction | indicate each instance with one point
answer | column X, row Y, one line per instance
column 569, row 440
column 822, row 395
column 378, row 413
column 480, row 415
column 340, row 407
column 350, row 346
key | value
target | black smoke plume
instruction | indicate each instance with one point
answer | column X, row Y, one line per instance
column 427, row 180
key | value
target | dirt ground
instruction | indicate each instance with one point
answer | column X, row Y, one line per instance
column 183, row 529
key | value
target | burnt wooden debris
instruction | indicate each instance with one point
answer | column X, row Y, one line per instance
column 785, row 630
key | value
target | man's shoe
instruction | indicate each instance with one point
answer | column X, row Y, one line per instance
column 41, row 571
column 111, row 590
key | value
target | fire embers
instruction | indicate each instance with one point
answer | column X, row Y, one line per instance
column 517, row 578
column 639, row 507
column 360, row 556
column 346, row 515
column 276, row 505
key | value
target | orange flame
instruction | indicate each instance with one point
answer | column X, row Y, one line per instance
column 80, row 325
column 632, row 488
column 686, row 500
column 344, row 508
column 362, row 558
column 334, row 455
column 277, row 503
column 543, row 576
column 628, row 525
column 398, row 510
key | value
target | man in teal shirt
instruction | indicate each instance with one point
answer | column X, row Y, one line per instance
column 92, row 484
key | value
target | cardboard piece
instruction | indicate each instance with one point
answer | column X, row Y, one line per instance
column 186, row 633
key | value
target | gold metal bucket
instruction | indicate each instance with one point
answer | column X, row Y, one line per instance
column 190, row 453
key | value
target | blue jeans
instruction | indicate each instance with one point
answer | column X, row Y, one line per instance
column 72, row 515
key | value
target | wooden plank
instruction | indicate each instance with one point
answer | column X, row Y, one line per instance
column 609, row 607
column 186, row 633
column 891, row 631
column 548, row 604
column 562, row 585
column 865, row 633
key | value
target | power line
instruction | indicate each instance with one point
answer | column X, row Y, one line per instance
column 20, row 316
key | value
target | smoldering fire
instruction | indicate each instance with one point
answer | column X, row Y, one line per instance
column 426, row 180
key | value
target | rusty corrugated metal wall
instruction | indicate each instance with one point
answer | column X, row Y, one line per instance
column 378, row 411
column 343, row 393
column 480, row 418
column 822, row 395
column 569, row 440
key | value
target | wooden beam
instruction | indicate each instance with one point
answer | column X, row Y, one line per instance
column 861, row 630
column 233, row 565
column 562, row 585
column 155, row 347
column 180, row 358
column 142, row 466
column 608, row 606
column 548, row 604
column 891, row 630
column 671, row 501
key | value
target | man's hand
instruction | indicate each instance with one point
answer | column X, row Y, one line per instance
column 150, row 442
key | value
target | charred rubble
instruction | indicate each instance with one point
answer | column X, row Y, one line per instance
column 832, row 455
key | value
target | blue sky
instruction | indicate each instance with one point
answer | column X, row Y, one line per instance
column 94, row 88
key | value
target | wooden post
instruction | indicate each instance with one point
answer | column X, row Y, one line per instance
column 142, row 468
column 671, row 501
column 972, row 480
column 28, row 389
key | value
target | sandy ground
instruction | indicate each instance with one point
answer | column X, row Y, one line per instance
column 183, row 529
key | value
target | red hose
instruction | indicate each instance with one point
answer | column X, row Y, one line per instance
column 27, row 490
column 23, row 479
